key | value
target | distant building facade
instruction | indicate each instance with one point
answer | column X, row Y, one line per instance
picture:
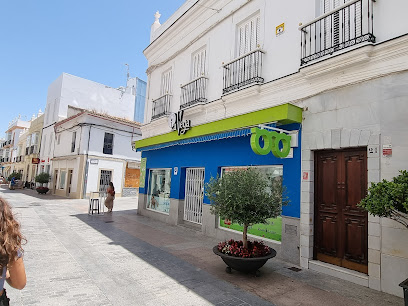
column 10, row 145
column 91, row 150
column 68, row 90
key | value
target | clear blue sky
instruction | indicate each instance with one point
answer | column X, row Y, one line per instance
column 92, row 39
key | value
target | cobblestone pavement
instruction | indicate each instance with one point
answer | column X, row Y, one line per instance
column 121, row 258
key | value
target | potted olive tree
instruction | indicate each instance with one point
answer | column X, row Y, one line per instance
column 246, row 196
column 389, row 199
column 42, row 178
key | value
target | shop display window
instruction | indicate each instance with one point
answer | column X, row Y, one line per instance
column 273, row 229
column 158, row 195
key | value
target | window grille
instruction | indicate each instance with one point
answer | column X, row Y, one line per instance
column 108, row 143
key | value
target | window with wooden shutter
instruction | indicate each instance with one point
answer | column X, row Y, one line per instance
column 248, row 36
column 198, row 64
column 166, row 82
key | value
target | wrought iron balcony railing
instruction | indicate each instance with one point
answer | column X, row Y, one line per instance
column 194, row 92
column 243, row 71
column 161, row 106
column 346, row 26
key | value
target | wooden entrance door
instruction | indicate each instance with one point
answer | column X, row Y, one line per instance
column 340, row 226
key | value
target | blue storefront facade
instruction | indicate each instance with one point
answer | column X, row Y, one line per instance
column 174, row 174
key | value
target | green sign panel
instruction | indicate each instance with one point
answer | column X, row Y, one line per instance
column 142, row 173
column 271, row 142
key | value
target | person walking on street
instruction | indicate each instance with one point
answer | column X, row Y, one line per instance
column 11, row 252
column 110, row 196
column 13, row 183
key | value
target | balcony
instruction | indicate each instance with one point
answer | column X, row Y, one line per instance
column 243, row 71
column 161, row 106
column 346, row 26
column 194, row 92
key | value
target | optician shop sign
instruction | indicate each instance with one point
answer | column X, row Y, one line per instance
column 277, row 143
column 176, row 123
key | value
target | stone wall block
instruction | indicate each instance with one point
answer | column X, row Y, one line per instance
column 327, row 139
column 307, row 155
column 374, row 243
column 374, row 270
column 307, row 165
column 319, row 141
column 345, row 138
column 354, row 137
column 373, row 163
column 374, row 139
column 373, row 176
column 335, row 138
column 307, row 186
column 307, row 208
column 364, row 138
column 374, row 256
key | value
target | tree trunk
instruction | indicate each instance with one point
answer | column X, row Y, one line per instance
column 244, row 236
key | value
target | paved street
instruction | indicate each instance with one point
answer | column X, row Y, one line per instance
column 124, row 259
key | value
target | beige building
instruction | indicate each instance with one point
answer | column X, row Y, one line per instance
column 28, row 148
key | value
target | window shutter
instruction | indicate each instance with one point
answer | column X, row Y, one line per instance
column 166, row 83
column 248, row 36
column 198, row 64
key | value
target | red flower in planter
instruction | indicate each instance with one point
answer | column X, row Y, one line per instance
column 236, row 249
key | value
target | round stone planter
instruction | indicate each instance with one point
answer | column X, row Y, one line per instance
column 42, row 190
column 246, row 265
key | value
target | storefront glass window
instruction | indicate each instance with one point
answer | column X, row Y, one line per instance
column 158, row 196
column 273, row 229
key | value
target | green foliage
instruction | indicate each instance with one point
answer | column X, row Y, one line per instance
column 389, row 199
column 246, row 196
column 16, row 175
column 42, row 178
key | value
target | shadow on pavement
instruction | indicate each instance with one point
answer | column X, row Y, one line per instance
column 30, row 192
column 215, row 291
column 189, row 260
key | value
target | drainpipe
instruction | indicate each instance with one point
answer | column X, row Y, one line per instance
column 86, row 165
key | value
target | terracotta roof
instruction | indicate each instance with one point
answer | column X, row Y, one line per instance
column 96, row 114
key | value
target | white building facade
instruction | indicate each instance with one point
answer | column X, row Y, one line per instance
column 10, row 145
column 68, row 90
column 92, row 150
column 332, row 75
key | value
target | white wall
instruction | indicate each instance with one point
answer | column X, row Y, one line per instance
column 87, row 94
column 200, row 26
column 75, row 91
column 122, row 148
column 117, row 168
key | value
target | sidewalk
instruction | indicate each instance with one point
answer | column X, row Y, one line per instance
column 126, row 259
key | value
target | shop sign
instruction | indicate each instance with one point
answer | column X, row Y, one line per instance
column 142, row 172
column 280, row 29
column 35, row 161
column 387, row 150
column 373, row 151
column 271, row 142
column 176, row 123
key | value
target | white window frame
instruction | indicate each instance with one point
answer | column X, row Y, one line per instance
column 148, row 187
column 198, row 65
column 252, row 22
column 166, row 83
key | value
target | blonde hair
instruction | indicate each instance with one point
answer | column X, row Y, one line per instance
column 11, row 238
